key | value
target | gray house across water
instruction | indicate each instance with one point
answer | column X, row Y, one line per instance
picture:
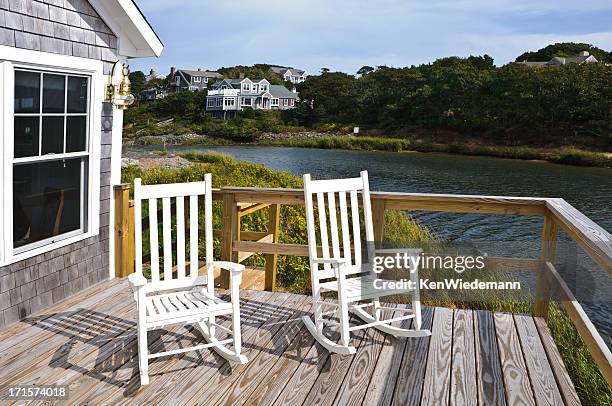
column 192, row 80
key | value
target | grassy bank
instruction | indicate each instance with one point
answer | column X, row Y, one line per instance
column 563, row 155
column 559, row 155
column 293, row 272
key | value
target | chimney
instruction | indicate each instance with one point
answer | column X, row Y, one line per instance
column 241, row 75
column 172, row 71
column 151, row 72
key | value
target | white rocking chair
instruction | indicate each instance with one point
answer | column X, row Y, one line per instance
column 346, row 274
column 180, row 295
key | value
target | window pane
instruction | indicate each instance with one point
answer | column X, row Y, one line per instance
column 27, row 92
column 53, row 93
column 77, row 94
column 52, row 135
column 26, row 136
column 46, row 200
column 76, row 134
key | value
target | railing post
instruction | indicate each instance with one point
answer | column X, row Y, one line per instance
column 271, row 259
column 230, row 232
column 547, row 254
column 123, row 265
column 378, row 219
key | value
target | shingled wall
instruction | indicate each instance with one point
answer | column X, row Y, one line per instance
column 67, row 27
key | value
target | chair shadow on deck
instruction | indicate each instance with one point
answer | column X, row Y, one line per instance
column 113, row 339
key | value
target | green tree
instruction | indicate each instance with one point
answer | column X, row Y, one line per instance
column 137, row 79
column 364, row 70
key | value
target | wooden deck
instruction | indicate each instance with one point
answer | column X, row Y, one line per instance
column 88, row 342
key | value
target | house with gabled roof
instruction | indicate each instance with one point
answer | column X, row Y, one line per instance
column 192, row 80
column 232, row 95
column 582, row 57
column 289, row 74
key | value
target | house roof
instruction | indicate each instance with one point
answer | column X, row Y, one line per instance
column 126, row 20
column 563, row 60
column 281, row 92
column 282, row 69
column 202, row 73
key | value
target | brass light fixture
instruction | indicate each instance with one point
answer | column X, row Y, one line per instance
column 118, row 91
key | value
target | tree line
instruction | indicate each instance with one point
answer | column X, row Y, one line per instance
column 531, row 105
column 464, row 94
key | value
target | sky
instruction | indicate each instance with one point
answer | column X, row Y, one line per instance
column 344, row 35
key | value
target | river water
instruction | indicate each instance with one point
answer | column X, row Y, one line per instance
column 588, row 189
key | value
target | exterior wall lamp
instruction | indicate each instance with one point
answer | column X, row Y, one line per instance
column 118, row 91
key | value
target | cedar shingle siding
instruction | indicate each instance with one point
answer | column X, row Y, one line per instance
column 68, row 27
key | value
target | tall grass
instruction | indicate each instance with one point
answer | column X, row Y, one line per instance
column 293, row 272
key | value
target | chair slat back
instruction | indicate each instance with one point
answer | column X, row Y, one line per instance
column 336, row 226
column 171, row 266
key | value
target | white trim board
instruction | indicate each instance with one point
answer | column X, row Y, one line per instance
column 135, row 36
column 11, row 58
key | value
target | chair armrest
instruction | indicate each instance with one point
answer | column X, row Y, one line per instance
column 137, row 280
column 230, row 266
column 416, row 251
column 336, row 263
column 331, row 261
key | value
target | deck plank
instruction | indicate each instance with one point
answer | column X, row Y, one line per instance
column 99, row 291
column 384, row 377
column 516, row 376
column 171, row 366
column 540, row 374
column 275, row 380
column 89, row 344
column 221, row 380
column 301, row 382
column 489, row 376
column 80, row 354
column 409, row 385
column 436, row 387
column 172, row 386
column 564, row 382
column 53, row 331
column 263, row 357
column 355, row 385
column 22, row 332
column 463, row 369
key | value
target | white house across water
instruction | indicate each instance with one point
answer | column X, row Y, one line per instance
column 231, row 95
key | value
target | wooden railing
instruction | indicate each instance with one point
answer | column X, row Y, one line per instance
column 238, row 245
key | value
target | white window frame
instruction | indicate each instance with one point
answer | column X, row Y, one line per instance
column 274, row 102
column 14, row 58
column 197, row 79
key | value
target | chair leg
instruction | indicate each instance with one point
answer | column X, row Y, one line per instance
column 416, row 308
column 344, row 321
column 236, row 332
column 211, row 326
column 376, row 308
column 143, row 354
